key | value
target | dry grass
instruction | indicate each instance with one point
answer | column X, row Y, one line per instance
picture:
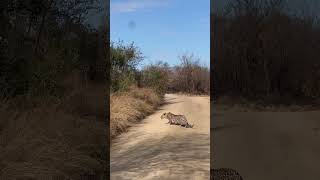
column 90, row 101
column 62, row 141
column 192, row 94
column 130, row 107
column 67, row 139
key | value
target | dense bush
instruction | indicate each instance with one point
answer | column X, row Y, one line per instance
column 124, row 60
column 190, row 77
column 52, row 95
column 262, row 51
column 156, row 76
column 43, row 42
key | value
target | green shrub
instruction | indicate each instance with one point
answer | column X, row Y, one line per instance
column 156, row 76
column 124, row 61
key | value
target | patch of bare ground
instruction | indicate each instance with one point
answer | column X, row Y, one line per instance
column 153, row 149
column 266, row 145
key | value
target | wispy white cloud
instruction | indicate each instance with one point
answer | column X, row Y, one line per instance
column 126, row 6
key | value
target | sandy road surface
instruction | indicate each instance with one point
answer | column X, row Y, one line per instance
column 268, row 145
column 156, row 150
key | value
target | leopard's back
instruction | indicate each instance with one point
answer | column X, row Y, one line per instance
column 179, row 120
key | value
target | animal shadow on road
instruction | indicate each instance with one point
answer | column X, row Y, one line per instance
column 179, row 155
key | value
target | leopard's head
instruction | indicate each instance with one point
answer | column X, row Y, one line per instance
column 164, row 115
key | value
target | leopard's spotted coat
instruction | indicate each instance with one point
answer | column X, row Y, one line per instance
column 224, row 174
column 176, row 119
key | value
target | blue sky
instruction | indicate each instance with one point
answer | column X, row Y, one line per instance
column 163, row 29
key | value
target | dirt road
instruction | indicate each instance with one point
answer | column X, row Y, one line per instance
column 268, row 145
column 155, row 150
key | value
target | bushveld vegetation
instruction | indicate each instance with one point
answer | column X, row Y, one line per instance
column 128, row 103
column 52, row 84
column 136, row 93
column 263, row 51
column 54, row 79
column 188, row 77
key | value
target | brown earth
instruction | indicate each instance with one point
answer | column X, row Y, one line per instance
column 267, row 145
column 155, row 150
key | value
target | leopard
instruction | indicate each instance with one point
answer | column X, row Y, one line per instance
column 224, row 174
column 174, row 119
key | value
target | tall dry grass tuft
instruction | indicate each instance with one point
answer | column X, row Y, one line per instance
column 146, row 94
column 129, row 107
